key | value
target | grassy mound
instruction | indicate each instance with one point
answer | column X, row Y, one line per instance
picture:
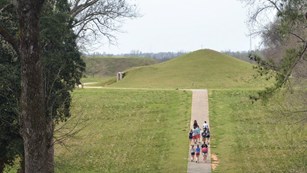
column 199, row 69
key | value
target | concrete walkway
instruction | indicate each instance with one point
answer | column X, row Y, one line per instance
column 200, row 112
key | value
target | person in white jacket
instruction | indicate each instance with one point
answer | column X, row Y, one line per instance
column 205, row 126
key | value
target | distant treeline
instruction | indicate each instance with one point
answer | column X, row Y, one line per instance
column 164, row 56
column 161, row 56
column 243, row 55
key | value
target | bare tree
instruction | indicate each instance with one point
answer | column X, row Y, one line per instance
column 95, row 18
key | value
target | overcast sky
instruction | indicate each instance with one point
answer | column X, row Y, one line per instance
column 184, row 25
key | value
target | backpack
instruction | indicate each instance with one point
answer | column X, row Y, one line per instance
column 203, row 134
column 208, row 134
column 190, row 134
column 204, row 150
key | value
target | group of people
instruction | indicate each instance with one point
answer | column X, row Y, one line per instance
column 195, row 135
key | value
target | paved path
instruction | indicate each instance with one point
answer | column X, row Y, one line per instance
column 200, row 112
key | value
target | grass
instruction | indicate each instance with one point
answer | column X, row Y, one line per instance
column 146, row 130
column 98, row 81
column 90, row 79
column 255, row 137
column 128, row 131
column 199, row 69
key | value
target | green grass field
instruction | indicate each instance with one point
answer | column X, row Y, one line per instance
column 199, row 69
column 127, row 131
column 146, row 130
column 255, row 137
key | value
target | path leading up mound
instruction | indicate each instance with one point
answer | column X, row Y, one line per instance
column 200, row 112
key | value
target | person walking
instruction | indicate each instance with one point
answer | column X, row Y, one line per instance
column 194, row 135
column 204, row 150
column 191, row 136
column 203, row 135
column 197, row 151
column 195, row 124
column 205, row 126
column 192, row 151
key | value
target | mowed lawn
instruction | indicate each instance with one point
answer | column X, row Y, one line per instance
column 127, row 131
column 255, row 137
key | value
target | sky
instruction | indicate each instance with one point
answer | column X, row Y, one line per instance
column 184, row 25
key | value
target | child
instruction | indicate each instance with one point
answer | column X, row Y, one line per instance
column 204, row 150
column 191, row 135
column 192, row 151
column 197, row 153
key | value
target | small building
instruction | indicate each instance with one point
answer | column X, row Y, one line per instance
column 120, row 76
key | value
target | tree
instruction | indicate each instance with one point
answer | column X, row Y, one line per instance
column 63, row 68
column 285, row 41
column 50, row 65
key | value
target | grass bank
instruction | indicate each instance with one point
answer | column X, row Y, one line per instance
column 255, row 137
column 128, row 131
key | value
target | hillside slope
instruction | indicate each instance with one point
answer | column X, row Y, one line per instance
column 109, row 66
column 199, row 69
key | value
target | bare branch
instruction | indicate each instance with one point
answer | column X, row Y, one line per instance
column 297, row 36
column 70, row 128
column 99, row 17
column 77, row 9
column 258, row 12
column 275, row 5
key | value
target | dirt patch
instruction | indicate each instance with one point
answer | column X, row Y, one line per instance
column 214, row 161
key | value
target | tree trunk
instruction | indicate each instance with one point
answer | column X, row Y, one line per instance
column 50, row 158
column 33, row 107
column 50, row 153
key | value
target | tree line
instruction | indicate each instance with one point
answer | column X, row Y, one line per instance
column 161, row 56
